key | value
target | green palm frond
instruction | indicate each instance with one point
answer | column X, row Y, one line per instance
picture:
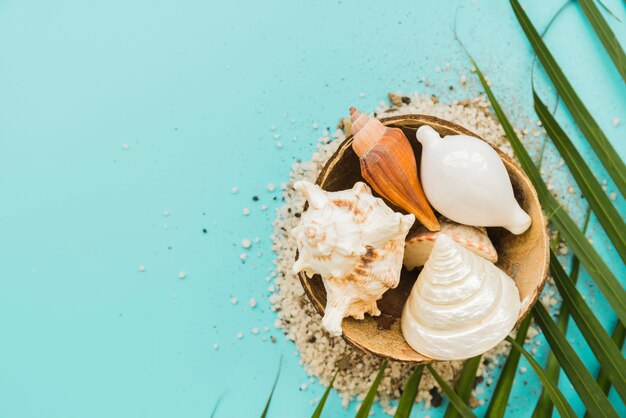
column 609, row 11
column 462, row 408
column 544, row 407
column 408, row 395
column 464, row 385
column 587, row 124
column 559, row 400
column 619, row 332
column 320, row 406
column 269, row 399
column 368, row 401
column 216, row 406
column 587, row 388
column 502, row 392
column 606, row 35
column 607, row 215
column 500, row 397
column 608, row 354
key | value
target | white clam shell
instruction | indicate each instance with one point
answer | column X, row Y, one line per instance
column 460, row 306
column 356, row 243
column 465, row 180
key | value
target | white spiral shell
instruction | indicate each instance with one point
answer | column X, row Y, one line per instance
column 356, row 243
column 460, row 306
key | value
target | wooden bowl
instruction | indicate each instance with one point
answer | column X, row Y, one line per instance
column 524, row 257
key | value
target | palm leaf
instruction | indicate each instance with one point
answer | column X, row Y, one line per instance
column 320, row 406
column 588, row 256
column 465, row 384
column 609, row 11
column 269, row 399
column 544, row 406
column 455, row 400
column 619, row 332
column 216, row 406
column 500, row 397
column 408, row 395
column 618, row 338
column 364, row 410
column 589, row 127
column 606, row 35
column 607, row 215
column 607, row 353
column 564, row 408
column 532, row 66
column 590, row 393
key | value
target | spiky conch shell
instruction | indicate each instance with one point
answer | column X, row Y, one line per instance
column 420, row 242
column 388, row 165
column 460, row 306
column 356, row 243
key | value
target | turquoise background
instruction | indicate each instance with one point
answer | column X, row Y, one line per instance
column 193, row 88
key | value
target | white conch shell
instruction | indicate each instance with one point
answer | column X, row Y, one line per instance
column 356, row 243
column 419, row 242
column 460, row 306
column 465, row 180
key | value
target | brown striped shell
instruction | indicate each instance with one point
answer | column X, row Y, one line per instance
column 420, row 241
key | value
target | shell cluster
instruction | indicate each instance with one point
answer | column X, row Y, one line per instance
column 356, row 243
column 461, row 304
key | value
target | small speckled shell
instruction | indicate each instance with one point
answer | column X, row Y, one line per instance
column 420, row 241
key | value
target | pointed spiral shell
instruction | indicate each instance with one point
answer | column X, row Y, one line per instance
column 388, row 165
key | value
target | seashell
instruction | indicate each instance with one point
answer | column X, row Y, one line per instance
column 419, row 243
column 460, row 306
column 388, row 165
column 465, row 180
column 356, row 243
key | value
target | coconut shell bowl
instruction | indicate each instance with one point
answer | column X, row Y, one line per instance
column 524, row 257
